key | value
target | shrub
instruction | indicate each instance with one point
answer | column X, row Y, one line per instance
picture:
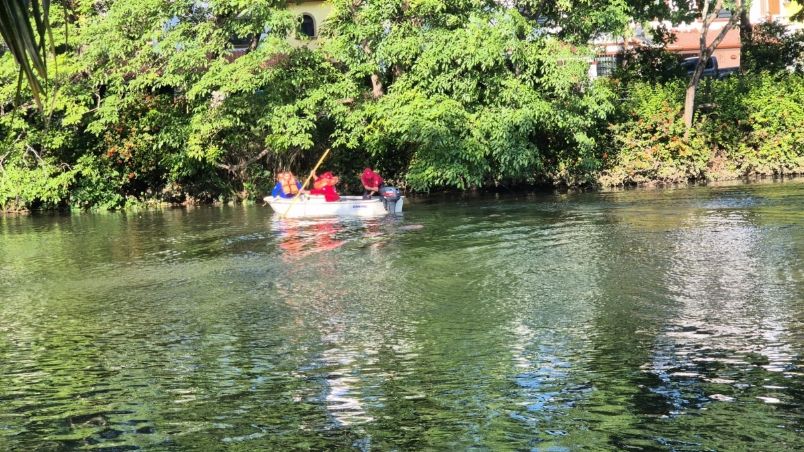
column 23, row 186
column 649, row 142
column 751, row 126
column 774, row 119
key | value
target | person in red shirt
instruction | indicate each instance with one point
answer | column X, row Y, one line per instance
column 371, row 182
column 325, row 185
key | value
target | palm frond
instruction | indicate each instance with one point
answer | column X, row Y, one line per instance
column 799, row 16
column 26, row 44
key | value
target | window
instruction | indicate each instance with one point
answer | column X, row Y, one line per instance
column 724, row 14
column 690, row 63
column 241, row 43
column 307, row 26
column 606, row 65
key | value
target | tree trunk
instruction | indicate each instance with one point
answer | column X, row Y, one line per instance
column 706, row 50
column 746, row 35
column 689, row 104
column 746, row 29
column 255, row 41
column 376, row 86
column 376, row 83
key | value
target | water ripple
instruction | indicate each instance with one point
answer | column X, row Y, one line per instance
column 669, row 320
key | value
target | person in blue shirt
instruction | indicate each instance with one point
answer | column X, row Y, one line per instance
column 287, row 186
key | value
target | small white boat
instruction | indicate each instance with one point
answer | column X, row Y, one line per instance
column 312, row 206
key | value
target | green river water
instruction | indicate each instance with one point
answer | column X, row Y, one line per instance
column 635, row 320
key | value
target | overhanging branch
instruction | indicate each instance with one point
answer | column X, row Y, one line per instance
column 242, row 165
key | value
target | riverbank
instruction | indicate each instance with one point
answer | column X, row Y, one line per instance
column 748, row 126
column 136, row 205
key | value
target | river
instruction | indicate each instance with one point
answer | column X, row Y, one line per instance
column 642, row 320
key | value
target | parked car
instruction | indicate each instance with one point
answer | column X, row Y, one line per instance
column 711, row 70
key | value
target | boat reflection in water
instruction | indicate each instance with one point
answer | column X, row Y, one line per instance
column 298, row 238
column 347, row 362
column 301, row 238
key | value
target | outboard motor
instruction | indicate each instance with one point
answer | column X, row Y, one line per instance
column 390, row 196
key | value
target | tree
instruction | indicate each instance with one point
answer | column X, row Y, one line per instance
column 466, row 93
column 773, row 47
column 154, row 104
column 176, row 95
column 710, row 10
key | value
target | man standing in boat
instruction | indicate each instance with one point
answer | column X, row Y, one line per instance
column 371, row 182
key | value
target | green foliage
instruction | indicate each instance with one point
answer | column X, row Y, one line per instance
column 752, row 126
column 98, row 183
column 654, row 63
column 649, row 144
column 773, row 48
column 156, row 105
column 152, row 102
column 43, row 185
column 578, row 21
column 517, row 108
column 774, row 114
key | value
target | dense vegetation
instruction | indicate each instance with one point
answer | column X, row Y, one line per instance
column 148, row 101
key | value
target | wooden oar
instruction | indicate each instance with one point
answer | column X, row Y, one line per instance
column 295, row 198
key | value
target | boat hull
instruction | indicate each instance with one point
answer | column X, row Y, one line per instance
column 317, row 207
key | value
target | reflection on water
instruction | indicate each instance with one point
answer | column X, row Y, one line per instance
column 644, row 320
column 298, row 238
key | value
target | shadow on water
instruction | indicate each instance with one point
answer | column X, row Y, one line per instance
column 666, row 320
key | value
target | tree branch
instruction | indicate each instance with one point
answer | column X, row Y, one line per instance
column 2, row 160
column 242, row 165
column 33, row 151
column 705, row 52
